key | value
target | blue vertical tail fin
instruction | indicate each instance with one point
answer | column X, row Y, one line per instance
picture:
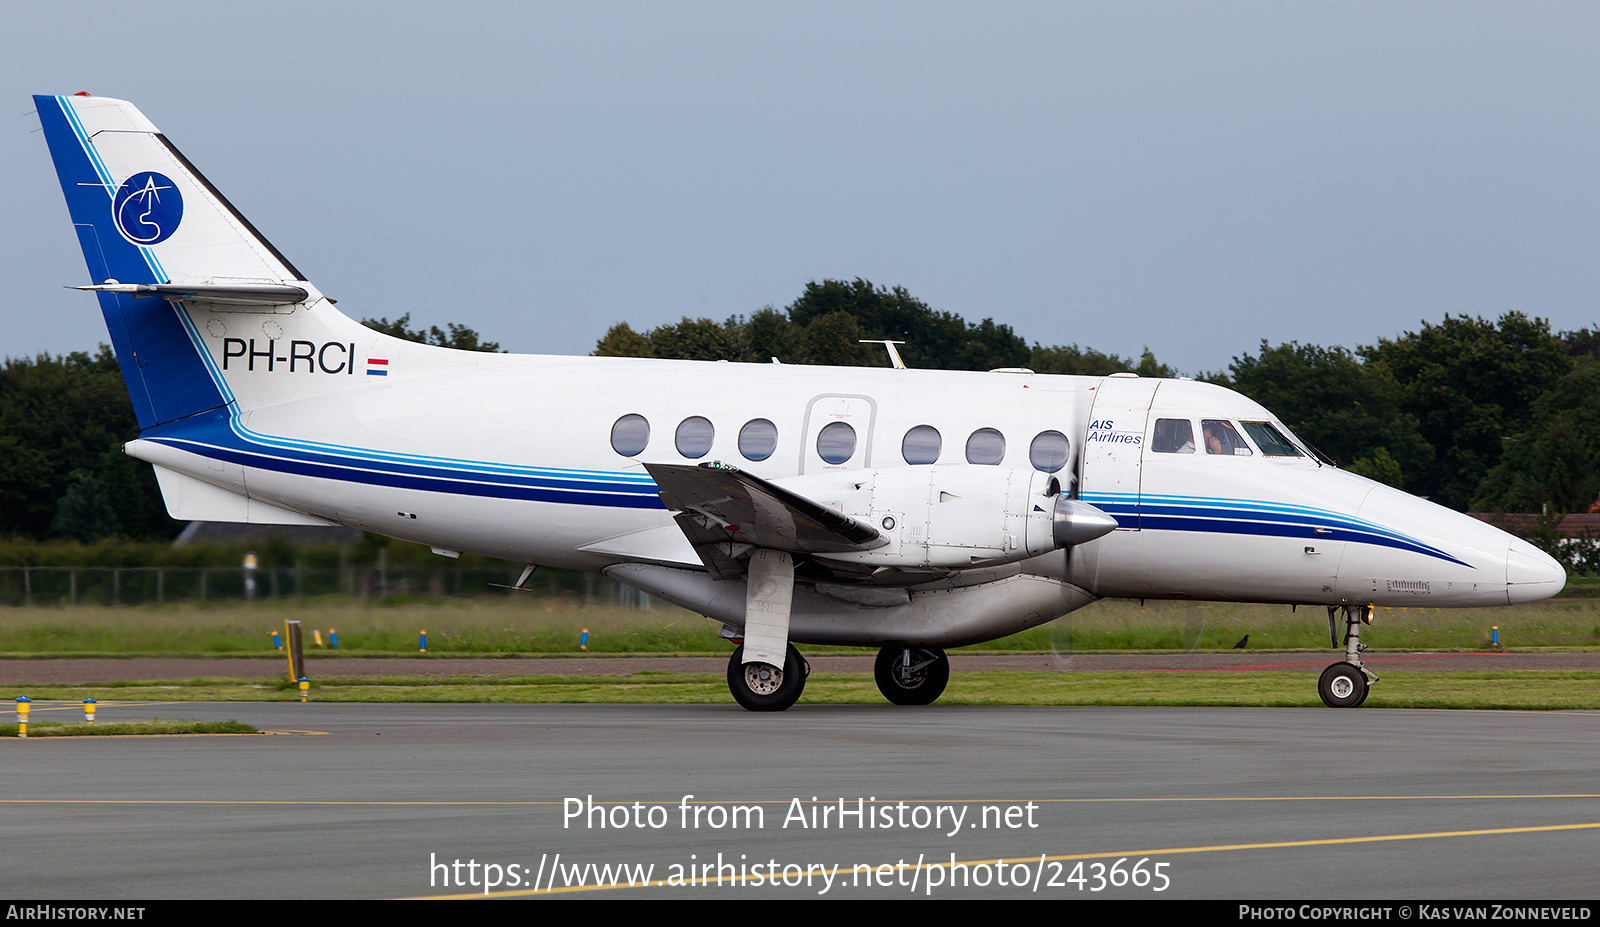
column 153, row 232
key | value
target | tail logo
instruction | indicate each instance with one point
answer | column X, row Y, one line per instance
column 147, row 208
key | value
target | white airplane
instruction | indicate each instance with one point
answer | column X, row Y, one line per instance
column 910, row 510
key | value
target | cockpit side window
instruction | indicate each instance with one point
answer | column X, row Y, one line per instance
column 1222, row 438
column 1173, row 436
column 1271, row 441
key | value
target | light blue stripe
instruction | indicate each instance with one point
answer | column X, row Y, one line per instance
column 205, row 354
column 83, row 139
column 370, row 455
column 1257, row 504
column 1241, row 510
column 108, row 182
column 367, row 466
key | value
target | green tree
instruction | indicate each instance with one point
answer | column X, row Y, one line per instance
column 459, row 337
column 622, row 341
column 698, row 339
column 933, row 339
column 989, row 345
column 1470, row 383
column 25, row 485
column 823, row 326
column 1585, row 342
column 769, row 334
column 879, row 311
column 1150, row 367
column 65, row 414
column 84, row 511
column 1072, row 360
column 835, row 339
column 1381, row 466
column 1556, row 460
column 1348, row 410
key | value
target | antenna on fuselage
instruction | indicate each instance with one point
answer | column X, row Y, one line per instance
column 894, row 356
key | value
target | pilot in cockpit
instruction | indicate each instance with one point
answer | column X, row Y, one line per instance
column 1173, row 436
column 1221, row 438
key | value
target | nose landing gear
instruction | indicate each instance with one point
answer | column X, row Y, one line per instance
column 1345, row 685
column 1342, row 686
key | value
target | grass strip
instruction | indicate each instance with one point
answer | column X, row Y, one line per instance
column 1509, row 689
column 121, row 728
column 493, row 626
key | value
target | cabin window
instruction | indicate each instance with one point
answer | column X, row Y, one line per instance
column 1222, row 438
column 836, row 442
column 986, row 447
column 694, row 437
column 1271, row 441
column 1048, row 451
column 630, row 434
column 758, row 439
column 1173, row 436
column 921, row 445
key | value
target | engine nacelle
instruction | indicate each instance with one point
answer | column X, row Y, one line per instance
column 953, row 516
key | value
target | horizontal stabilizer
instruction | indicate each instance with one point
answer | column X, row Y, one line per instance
column 189, row 499
column 722, row 510
column 231, row 295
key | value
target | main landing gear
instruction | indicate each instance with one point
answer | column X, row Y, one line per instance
column 1345, row 685
column 764, row 687
column 911, row 675
column 905, row 675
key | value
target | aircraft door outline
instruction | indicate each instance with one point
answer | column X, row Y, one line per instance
column 1113, row 447
column 857, row 411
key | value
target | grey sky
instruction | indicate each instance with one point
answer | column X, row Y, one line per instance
column 1192, row 177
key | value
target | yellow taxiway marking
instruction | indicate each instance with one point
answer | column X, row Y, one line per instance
column 1041, row 859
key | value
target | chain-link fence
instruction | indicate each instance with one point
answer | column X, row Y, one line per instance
column 94, row 585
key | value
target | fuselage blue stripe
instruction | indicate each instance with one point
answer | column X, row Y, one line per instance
column 213, row 433
column 1278, row 529
column 490, row 485
column 255, row 458
column 622, row 491
column 1244, row 516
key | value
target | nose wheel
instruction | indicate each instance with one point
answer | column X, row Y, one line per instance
column 764, row 687
column 1342, row 686
column 1345, row 685
column 911, row 675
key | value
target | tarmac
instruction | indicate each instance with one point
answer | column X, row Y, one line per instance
column 1371, row 807
column 350, row 801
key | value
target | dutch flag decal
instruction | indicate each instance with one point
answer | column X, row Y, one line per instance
column 377, row 366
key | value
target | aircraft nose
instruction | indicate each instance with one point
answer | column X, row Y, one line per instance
column 1531, row 574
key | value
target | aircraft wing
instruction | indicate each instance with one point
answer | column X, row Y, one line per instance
column 726, row 512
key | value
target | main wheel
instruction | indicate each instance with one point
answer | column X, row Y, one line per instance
column 911, row 675
column 1342, row 686
column 764, row 687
